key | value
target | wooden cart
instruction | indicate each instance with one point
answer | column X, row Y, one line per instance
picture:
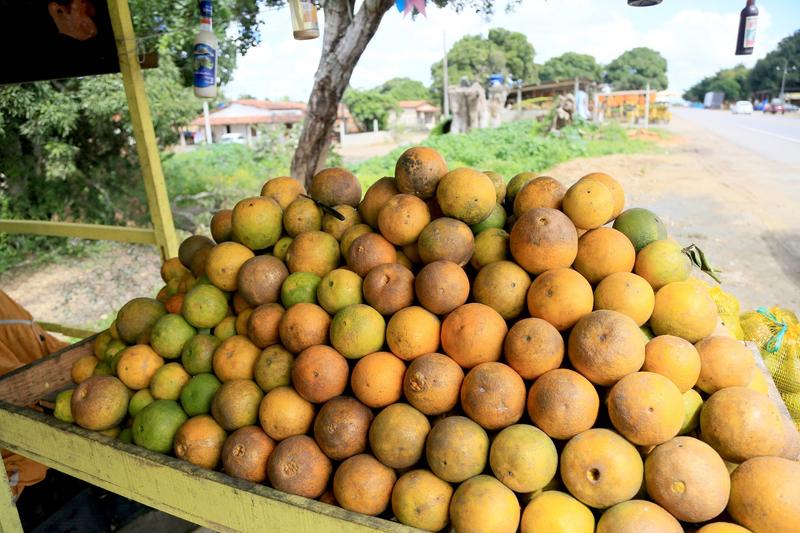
column 211, row 499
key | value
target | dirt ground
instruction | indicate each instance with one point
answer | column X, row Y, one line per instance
column 741, row 209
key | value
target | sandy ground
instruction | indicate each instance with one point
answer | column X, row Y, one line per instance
column 742, row 209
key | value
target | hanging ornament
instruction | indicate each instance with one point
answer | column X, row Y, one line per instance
column 407, row 6
column 304, row 19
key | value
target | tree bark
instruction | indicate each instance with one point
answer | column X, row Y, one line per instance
column 345, row 37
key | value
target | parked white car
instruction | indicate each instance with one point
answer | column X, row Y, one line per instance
column 237, row 138
column 742, row 107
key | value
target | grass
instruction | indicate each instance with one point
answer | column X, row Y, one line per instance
column 516, row 147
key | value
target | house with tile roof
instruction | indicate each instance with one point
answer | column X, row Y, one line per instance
column 415, row 114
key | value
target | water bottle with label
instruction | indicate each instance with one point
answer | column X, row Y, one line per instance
column 204, row 55
column 746, row 38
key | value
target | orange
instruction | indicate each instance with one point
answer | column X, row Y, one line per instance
column 283, row 190
column 336, row 227
column 617, row 192
column 646, row 408
column 635, row 516
column 316, row 252
column 725, row 362
column 441, row 286
column 199, row 441
column 493, row 395
column 473, row 334
column 302, row 215
column 299, row 467
column 335, row 186
column 432, row 383
column 377, row 379
column 626, row 293
column 403, row 218
column 374, row 199
column 674, row 358
column 397, row 435
column 137, row 365
column 341, row 427
column 421, row 500
column 466, row 194
column 602, row 252
column 456, row 449
column 304, row 325
column 561, row 297
column 256, row 222
column 99, row 403
column 220, row 225
column 764, row 495
column 235, row 358
column 662, row 262
column 685, row 310
column 363, row 485
column 562, row 403
column 484, row 504
column 446, row 239
column 523, row 458
column 542, row 191
column 412, row 332
column 533, row 347
column 168, row 381
column 552, row 511
column 588, row 203
column 223, row 264
column 503, row 286
column 418, row 171
column 283, row 413
column 543, row 239
column 319, row 373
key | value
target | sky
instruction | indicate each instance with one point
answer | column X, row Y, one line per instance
column 697, row 37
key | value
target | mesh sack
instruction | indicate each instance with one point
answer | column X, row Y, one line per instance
column 728, row 309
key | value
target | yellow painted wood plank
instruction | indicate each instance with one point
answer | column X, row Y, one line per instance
column 207, row 498
column 83, row 231
column 9, row 517
column 146, row 145
column 69, row 331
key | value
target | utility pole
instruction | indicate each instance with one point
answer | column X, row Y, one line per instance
column 783, row 80
column 444, row 73
column 647, row 106
column 208, row 122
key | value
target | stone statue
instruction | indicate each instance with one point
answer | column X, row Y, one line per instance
column 563, row 111
column 497, row 101
column 468, row 107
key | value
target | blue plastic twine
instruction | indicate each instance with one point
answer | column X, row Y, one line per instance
column 774, row 343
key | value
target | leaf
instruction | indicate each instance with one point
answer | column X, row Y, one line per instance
column 698, row 258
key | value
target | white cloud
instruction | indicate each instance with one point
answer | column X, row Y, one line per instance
column 695, row 41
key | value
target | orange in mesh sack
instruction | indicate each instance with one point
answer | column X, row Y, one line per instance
column 777, row 333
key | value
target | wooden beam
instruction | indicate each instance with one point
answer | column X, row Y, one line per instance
column 69, row 331
column 81, row 231
column 145, row 136
column 9, row 517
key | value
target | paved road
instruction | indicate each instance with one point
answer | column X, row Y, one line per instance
column 774, row 137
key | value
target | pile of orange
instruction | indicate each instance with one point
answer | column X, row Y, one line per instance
column 450, row 350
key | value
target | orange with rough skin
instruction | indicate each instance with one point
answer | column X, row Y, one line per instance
column 441, row 286
column 246, row 452
column 283, row 189
column 765, row 495
column 503, row 286
column 299, row 467
column 493, row 395
column 136, row 366
column 602, row 252
column 552, row 511
column 99, row 403
column 341, row 427
column 256, row 222
column 350, row 235
column 499, row 183
column 432, row 383
column 304, row 325
column 334, row 186
column 220, row 226
column 456, row 449
column 637, row 516
column 523, row 458
column 422, row 500
column 662, row 262
column 515, row 184
column 684, row 309
column 483, row 504
column 375, row 198
column 601, row 468
column 473, row 334
column 412, row 332
column 302, row 215
column 606, row 346
column 313, row 251
column 174, row 303
column 561, row 297
column 263, row 326
column 740, row 423
column 242, row 320
column 723, row 527
column 363, row 485
column 446, row 239
column 368, row 251
column 491, row 245
column 200, row 440
column 319, row 373
column 466, row 194
column 674, row 358
column 389, row 288
column 273, row 368
column 562, row 403
column 532, row 347
column 688, row 478
column 397, row 435
column 223, row 263
column 588, row 203
column 626, row 293
column 418, row 171
column 336, row 227
column 235, row 358
column 617, row 192
column 235, row 404
column 83, row 368
column 542, row 191
column 168, row 381
column 377, row 379
column 283, row 413
column 403, row 218
column 724, row 362
column 543, row 239
column 173, row 269
column 238, row 303
column 191, row 245
column 646, row 408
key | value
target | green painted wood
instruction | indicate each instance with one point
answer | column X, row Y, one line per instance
column 9, row 517
column 83, row 231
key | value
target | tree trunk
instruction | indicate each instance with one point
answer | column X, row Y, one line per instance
column 345, row 37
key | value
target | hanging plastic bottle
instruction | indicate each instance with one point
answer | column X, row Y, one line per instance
column 746, row 38
column 204, row 55
column 304, row 19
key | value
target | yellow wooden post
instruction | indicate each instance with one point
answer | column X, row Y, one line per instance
column 146, row 144
column 9, row 517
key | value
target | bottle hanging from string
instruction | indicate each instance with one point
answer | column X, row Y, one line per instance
column 304, row 19
column 204, row 55
column 746, row 39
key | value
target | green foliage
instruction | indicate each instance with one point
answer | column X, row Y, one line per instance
column 475, row 58
column 635, row 67
column 513, row 148
column 768, row 72
column 732, row 81
column 571, row 65
column 369, row 105
column 405, row 89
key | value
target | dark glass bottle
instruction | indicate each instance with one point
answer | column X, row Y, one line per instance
column 746, row 39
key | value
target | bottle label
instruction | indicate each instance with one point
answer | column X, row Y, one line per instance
column 750, row 31
column 205, row 9
column 309, row 12
column 205, row 65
